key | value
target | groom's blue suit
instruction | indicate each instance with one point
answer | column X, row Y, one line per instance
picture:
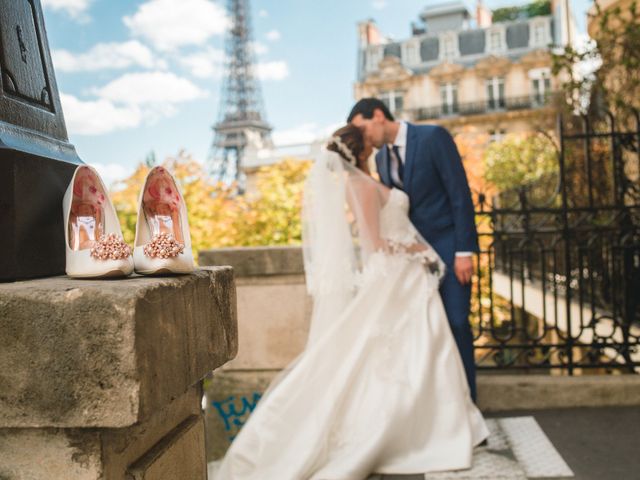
column 442, row 211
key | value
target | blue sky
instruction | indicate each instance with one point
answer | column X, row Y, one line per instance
column 144, row 75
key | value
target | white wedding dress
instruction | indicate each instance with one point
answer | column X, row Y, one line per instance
column 380, row 387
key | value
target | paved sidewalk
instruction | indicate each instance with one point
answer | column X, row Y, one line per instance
column 595, row 443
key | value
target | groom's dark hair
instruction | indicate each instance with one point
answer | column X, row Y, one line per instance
column 367, row 106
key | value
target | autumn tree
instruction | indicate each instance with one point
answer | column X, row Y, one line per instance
column 519, row 160
column 615, row 54
column 217, row 216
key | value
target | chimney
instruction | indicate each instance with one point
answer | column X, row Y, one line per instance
column 369, row 34
column 483, row 15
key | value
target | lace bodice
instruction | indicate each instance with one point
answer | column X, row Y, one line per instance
column 394, row 219
column 397, row 229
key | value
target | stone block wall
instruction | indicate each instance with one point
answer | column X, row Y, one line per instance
column 101, row 379
column 274, row 309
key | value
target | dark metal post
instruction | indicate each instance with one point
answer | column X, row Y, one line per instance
column 566, row 233
column 36, row 158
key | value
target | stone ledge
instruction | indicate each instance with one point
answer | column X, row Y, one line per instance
column 256, row 261
column 538, row 392
column 107, row 353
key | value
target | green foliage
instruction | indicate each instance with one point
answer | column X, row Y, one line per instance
column 534, row 9
column 272, row 215
column 616, row 48
column 519, row 160
column 217, row 216
column 538, row 8
column 506, row 14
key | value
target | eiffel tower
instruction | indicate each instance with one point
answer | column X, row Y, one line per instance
column 241, row 120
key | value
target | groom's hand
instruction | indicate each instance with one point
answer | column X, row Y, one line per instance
column 463, row 268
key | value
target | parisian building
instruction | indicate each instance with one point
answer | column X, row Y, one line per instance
column 463, row 69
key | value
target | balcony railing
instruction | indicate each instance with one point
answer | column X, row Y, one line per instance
column 506, row 104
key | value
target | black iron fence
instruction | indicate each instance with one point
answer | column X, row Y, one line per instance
column 559, row 268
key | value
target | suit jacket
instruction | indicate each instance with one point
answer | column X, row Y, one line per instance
column 441, row 206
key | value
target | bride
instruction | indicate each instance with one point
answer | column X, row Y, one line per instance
column 380, row 386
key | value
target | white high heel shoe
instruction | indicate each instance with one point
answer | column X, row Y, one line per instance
column 163, row 241
column 93, row 238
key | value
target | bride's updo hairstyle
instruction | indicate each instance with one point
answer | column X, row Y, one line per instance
column 347, row 142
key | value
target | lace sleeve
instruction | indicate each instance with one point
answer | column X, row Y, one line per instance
column 413, row 246
column 402, row 238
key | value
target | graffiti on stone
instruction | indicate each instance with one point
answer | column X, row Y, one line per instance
column 235, row 410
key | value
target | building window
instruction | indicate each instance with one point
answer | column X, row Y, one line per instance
column 448, row 46
column 539, row 34
column 449, row 98
column 495, row 93
column 410, row 56
column 393, row 100
column 497, row 135
column 541, row 89
column 374, row 56
column 449, row 49
column 495, row 41
column 540, row 86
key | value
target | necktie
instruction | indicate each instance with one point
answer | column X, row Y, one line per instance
column 396, row 151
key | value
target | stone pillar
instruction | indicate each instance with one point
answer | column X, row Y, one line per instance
column 36, row 159
column 102, row 379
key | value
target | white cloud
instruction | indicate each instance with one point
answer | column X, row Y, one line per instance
column 263, row 13
column 97, row 117
column 327, row 130
column 111, row 172
column 273, row 35
column 105, row 56
column 302, row 134
column 162, row 89
column 207, row 63
column 277, row 70
column 210, row 63
column 76, row 9
column 379, row 4
column 259, row 48
column 169, row 25
column 128, row 102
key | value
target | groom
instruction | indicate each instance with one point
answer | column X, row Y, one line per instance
column 423, row 161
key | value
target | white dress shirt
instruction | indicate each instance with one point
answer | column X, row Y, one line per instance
column 401, row 143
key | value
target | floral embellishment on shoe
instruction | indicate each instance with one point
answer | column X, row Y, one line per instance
column 163, row 245
column 110, row 247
